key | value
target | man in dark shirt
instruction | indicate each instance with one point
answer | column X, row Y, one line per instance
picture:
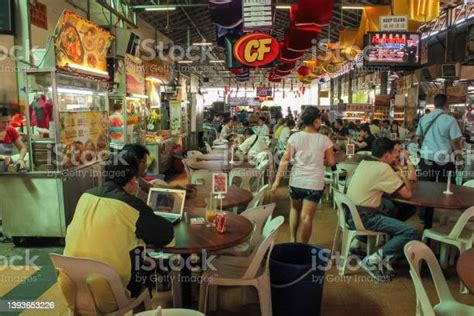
column 340, row 131
column 366, row 139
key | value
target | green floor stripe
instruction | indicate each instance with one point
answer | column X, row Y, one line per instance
column 38, row 283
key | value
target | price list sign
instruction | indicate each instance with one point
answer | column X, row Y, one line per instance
column 257, row 14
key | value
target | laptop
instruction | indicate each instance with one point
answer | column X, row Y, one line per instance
column 167, row 203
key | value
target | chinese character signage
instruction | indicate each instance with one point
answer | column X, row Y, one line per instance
column 394, row 23
column 257, row 14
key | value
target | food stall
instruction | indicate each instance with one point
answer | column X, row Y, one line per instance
column 158, row 141
column 65, row 149
column 128, row 104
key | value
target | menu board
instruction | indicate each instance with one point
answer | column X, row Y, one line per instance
column 84, row 135
column 80, row 45
column 135, row 79
column 393, row 49
column 457, row 94
column 175, row 117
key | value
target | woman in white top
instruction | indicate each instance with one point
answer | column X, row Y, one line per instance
column 285, row 134
column 310, row 152
column 263, row 129
column 226, row 130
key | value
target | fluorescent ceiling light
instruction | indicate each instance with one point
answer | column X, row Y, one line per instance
column 217, row 61
column 283, row 6
column 74, row 91
column 89, row 70
column 140, row 96
column 185, row 61
column 352, row 7
column 153, row 79
column 203, row 43
column 164, row 8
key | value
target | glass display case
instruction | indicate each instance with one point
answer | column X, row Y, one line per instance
column 127, row 120
column 67, row 119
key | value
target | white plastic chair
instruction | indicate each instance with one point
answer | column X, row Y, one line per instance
column 170, row 312
column 258, row 216
column 201, row 177
column 416, row 252
column 187, row 169
column 329, row 180
column 364, row 153
column 78, row 270
column 459, row 236
column 256, row 274
column 348, row 234
column 220, row 141
column 258, row 197
column 247, row 176
column 208, row 147
column 159, row 183
column 349, row 170
column 445, row 216
column 262, row 168
column 193, row 154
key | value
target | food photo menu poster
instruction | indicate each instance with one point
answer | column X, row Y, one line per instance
column 80, row 44
column 219, row 183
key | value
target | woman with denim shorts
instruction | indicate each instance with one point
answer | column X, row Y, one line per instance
column 309, row 152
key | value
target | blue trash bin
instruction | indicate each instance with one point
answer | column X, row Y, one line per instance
column 297, row 278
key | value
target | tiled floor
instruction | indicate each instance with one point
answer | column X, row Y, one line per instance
column 355, row 294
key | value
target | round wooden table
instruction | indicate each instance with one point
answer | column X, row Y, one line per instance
column 465, row 270
column 342, row 157
column 214, row 156
column 219, row 165
column 235, row 197
column 430, row 195
column 199, row 239
column 222, row 146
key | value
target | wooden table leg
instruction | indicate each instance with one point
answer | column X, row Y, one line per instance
column 429, row 217
column 185, row 282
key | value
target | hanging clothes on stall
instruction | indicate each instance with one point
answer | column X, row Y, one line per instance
column 41, row 112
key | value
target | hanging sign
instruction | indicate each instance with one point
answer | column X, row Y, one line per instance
column 175, row 117
column 135, row 79
column 256, row 49
column 394, row 23
column 257, row 14
column 81, row 46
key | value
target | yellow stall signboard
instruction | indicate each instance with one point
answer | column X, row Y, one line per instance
column 81, row 46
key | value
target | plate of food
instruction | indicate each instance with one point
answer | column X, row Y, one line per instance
column 71, row 43
column 89, row 38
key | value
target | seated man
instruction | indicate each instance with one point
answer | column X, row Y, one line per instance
column 141, row 154
column 366, row 139
column 113, row 226
column 374, row 177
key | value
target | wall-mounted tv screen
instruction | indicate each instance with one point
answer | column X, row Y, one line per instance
column 394, row 49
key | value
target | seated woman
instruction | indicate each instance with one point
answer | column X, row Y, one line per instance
column 366, row 139
column 285, row 134
column 329, row 133
column 9, row 137
column 400, row 132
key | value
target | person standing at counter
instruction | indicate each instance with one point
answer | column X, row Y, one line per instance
column 10, row 138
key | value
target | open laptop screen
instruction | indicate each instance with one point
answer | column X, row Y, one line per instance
column 166, row 200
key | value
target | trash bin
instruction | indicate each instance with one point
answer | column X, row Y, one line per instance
column 297, row 278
